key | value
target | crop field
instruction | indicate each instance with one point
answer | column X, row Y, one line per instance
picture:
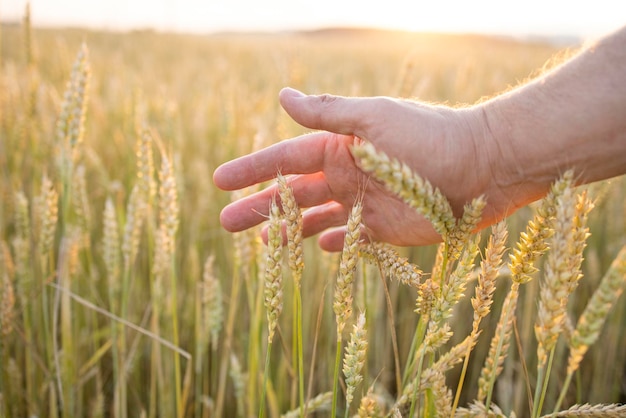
column 122, row 296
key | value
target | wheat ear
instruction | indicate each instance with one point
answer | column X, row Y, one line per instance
column 478, row 409
column 317, row 404
column 273, row 271
column 355, row 359
column 592, row 411
column 273, row 287
column 562, row 275
column 369, row 407
column 453, row 288
column 145, row 166
column 593, row 317
column 392, row 264
column 410, row 187
column 490, row 268
column 465, row 226
column 135, row 214
column 111, row 250
column 47, row 214
column 294, row 228
column 212, row 304
column 558, row 274
column 481, row 302
column 531, row 245
column 293, row 219
column 342, row 304
column 7, row 304
column 70, row 125
column 499, row 346
column 343, row 297
column 591, row 321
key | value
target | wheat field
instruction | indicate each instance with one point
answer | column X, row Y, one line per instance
column 121, row 296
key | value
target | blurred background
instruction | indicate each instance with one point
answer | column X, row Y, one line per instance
column 100, row 98
column 519, row 18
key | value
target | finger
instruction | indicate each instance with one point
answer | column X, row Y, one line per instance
column 309, row 190
column 318, row 219
column 331, row 220
column 342, row 115
column 302, row 155
column 322, row 217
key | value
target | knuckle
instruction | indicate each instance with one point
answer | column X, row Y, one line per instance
column 327, row 99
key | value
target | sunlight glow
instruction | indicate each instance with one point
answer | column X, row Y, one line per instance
column 483, row 16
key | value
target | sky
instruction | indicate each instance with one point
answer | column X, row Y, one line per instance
column 584, row 19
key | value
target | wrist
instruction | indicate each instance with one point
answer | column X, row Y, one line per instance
column 508, row 181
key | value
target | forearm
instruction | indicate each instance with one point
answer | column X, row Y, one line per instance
column 572, row 117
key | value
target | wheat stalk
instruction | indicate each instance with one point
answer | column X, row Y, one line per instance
column 294, row 228
column 21, row 249
column 531, row 245
column 343, row 297
column 498, row 347
column 273, row 286
column 444, row 363
column 558, row 274
column 481, row 302
column 562, row 276
column 168, row 226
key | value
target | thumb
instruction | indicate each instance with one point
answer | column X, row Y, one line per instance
column 341, row 115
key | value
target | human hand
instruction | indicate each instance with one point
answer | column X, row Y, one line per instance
column 444, row 145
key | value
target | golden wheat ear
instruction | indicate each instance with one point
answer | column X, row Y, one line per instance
column 273, row 271
column 7, row 304
column 398, row 178
column 392, row 264
column 319, row 403
column 293, row 219
column 211, row 306
column 343, row 297
column 354, row 359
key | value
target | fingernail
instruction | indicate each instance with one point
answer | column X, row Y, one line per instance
column 291, row 92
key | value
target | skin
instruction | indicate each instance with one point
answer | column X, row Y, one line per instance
column 509, row 149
